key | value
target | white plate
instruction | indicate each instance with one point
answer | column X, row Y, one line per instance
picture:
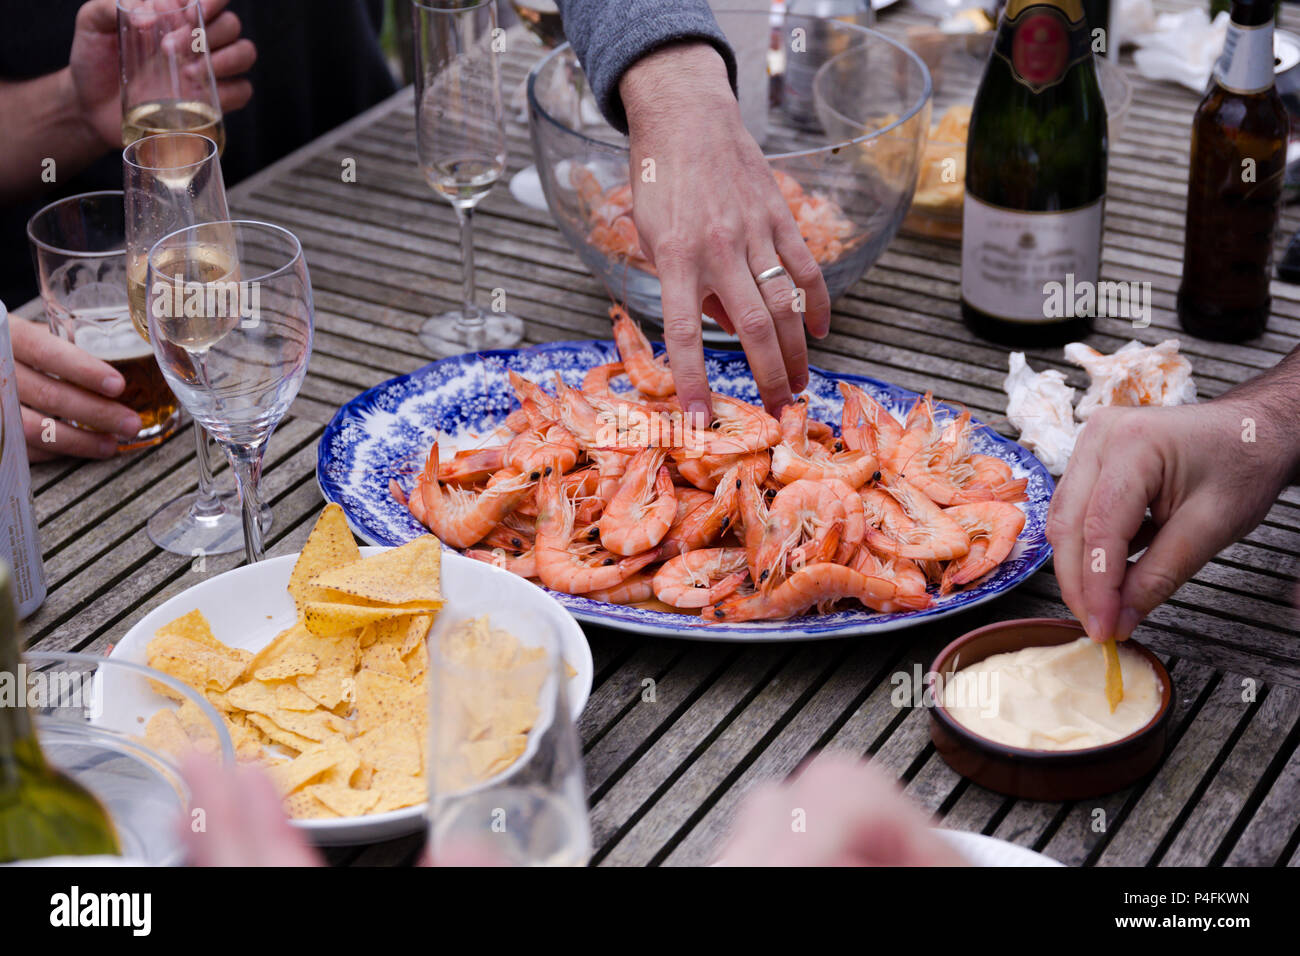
column 983, row 850
column 250, row 605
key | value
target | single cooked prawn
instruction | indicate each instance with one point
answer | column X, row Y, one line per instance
column 638, row 517
column 649, row 375
column 993, row 527
column 458, row 516
column 697, row 578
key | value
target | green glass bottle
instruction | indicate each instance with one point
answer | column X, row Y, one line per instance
column 1035, row 180
column 43, row 813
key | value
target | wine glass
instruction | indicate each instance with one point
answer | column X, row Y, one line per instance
column 542, row 19
column 167, row 80
column 460, row 134
column 230, row 313
column 174, row 180
column 504, row 767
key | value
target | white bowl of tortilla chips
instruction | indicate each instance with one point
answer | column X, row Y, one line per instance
column 318, row 663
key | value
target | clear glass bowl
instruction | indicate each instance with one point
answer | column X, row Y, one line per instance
column 91, row 725
column 846, row 158
column 956, row 62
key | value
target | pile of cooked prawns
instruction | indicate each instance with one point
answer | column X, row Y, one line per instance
column 753, row 518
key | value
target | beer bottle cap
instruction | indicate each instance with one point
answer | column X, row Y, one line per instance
column 1252, row 13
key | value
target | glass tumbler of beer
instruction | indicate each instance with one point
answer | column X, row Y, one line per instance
column 79, row 249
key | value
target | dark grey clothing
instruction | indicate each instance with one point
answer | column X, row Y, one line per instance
column 608, row 36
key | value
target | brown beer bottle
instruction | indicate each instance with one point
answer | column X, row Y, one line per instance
column 1234, row 187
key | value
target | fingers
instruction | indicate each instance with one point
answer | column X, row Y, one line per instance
column 1180, row 548
column 61, row 400
column 806, row 274
column 779, row 297
column 1128, row 480
column 234, row 94
column 222, row 31
column 1065, row 519
column 683, row 340
column 748, row 313
column 233, row 60
column 243, row 821
column 97, row 16
column 48, row 438
column 36, row 346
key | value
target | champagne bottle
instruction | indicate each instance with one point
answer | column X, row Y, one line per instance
column 43, row 813
column 1234, row 188
column 1035, row 180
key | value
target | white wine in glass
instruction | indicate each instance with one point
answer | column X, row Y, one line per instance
column 174, row 116
column 461, row 140
column 167, row 81
column 174, row 180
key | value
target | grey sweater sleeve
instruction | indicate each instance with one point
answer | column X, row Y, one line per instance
column 608, row 36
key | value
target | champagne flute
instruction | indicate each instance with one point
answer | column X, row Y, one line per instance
column 542, row 19
column 167, row 79
column 460, row 134
column 174, row 180
column 504, row 767
column 230, row 315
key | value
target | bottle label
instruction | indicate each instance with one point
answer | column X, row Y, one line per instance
column 19, row 544
column 1246, row 63
column 1040, row 44
column 1009, row 257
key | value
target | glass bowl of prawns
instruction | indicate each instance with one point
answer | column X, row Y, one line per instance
column 844, row 152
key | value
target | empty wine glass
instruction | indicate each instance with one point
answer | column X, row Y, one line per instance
column 461, row 139
column 167, row 79
column 174, row 180
column 504, row 766
column 230, row 318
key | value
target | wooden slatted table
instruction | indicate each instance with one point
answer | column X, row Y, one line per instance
column 665, row 777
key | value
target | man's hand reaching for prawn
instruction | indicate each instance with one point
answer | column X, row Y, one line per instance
column 716, row 227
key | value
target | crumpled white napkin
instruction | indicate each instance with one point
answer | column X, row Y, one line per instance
column 1180, row 47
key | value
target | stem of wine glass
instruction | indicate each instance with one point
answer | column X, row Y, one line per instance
column 206, row 503
column 246, row 462
column 471, row 320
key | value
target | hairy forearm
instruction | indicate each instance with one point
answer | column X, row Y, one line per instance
column 1275, row 395
column 42, row 122
column 681, row 76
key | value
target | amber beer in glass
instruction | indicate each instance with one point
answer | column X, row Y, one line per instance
column 79, row 249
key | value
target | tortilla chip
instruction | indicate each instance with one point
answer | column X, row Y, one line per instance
column 410, row 574
column 165, row 733
column 342, row 799
column 330, row 545
column 290, row 665
column 383, row 698
column 397, row 790
column 1114, row 675
column 331, row 618
column 305, row 806
column 277, row 734
column 329, row 686
column 391, row 747
column 193, row 627
column 291, row 697
column 311, row 763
